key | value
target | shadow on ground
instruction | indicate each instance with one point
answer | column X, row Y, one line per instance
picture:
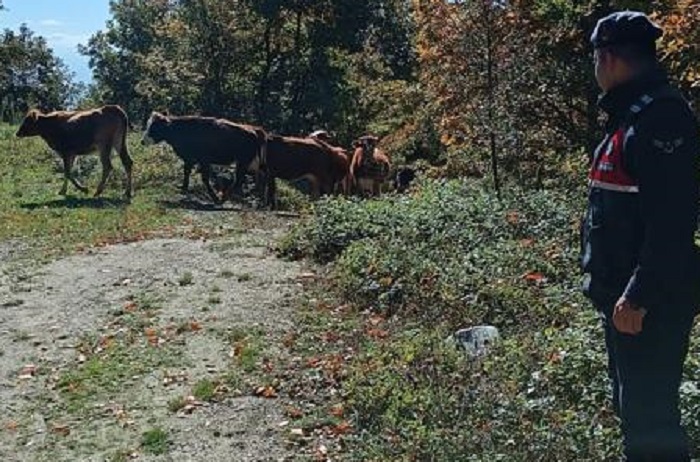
column 78, row 202
column 199, row 204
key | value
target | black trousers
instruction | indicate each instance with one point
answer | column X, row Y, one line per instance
column 646, row 371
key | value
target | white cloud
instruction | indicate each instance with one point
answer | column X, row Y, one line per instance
column 50, row 22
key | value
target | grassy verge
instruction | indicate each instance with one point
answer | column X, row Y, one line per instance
column 414, row 269
column 31, row 210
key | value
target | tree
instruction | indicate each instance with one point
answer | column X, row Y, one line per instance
column 32, row 76
column 285, row 64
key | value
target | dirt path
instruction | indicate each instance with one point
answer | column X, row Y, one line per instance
column 154, row 350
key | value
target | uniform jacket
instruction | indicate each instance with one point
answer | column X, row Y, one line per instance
column 638, row 232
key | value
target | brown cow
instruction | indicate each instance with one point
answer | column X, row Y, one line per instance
column 74, row 133
column 295, row 159
column 370, row 166
column 341, row 161
column 207, row 141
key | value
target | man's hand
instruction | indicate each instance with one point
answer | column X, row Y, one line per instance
column 627, row 317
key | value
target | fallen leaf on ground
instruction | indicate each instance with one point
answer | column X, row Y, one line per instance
column 377, row 333
column 27, row 372
column 535, row 276
column 266, row 392
column 60, row 429
column 294, row 412
column 342, row 428
column 338, row 410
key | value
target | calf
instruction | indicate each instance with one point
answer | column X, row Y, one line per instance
column 403, row 178
column 295, row 159
column 370, row 166
column 74, row 133
column 206, row 141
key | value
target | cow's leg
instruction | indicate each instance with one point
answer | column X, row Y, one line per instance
column 327, row 187
column 315, row 187
column 67, row 165
column 271, row 192
column 186, row 172
column 205, row 170
column 68, row 161
column 128, row 164
column 262, row 188
column 105, row 154
column 237, row 188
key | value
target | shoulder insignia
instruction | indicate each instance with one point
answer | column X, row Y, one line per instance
column 668, row 147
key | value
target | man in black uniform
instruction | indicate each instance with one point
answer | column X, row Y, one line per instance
column 638, row 254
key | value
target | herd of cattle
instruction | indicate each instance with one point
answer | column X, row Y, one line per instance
column 206, row 142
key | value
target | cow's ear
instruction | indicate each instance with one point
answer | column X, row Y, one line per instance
column 33, row 115
column 160, row 115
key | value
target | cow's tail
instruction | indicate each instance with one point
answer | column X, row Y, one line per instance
column 120, row 144
column 262, row 174
column 262, row 151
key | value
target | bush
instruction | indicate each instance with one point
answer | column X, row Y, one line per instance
column 451, row 252
column 450, row 256
column 419, row 398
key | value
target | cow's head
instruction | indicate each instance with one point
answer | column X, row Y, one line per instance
column 155, row 129
column 30, row 124
column 368, row 143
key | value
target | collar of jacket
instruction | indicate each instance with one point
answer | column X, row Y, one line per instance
column 616, row 102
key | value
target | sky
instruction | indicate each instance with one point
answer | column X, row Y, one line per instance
column 64, row 24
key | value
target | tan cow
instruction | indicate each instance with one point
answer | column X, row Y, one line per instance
column 370, row 166
column 341, row 161
column 294, row 159
column 74, row 133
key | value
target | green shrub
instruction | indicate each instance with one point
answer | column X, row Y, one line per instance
column 450, row 255
column 420, row 398
column 451, row 252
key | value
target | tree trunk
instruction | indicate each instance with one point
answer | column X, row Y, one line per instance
column 491, row 96
column 265, row 78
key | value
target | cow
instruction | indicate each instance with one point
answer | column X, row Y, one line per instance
column 207, row 141
column 370, row 166
column 341, row 158
column 295, row 159
column 75, row 133
column 403, row 178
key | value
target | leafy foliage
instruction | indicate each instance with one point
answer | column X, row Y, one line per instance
column 450, row 245
column 515, row 79
column 31, row 76
column 415, row 269
column 281, row 63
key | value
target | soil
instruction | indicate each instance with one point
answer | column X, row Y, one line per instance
column 225, row 287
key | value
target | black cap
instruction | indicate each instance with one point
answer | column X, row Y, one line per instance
column 625, row 27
